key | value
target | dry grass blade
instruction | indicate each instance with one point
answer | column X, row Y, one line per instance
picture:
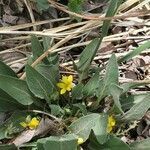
column 139, row 6
column 30, row 12
column 56, row 46
column 103, row 49
column 23, row 26
column 127, row 4
column 98, row 17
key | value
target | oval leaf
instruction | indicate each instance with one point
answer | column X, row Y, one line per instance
column 64, row 142
column 116, row 92
column 141, row 145
column 113, row 143
column 6, row 70
column 38, row 84
column 83, row 126
column 7, row 103
column 138, row 110
column 17, row 89
column 111, row 77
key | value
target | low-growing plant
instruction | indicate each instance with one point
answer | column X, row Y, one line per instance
column 50, row 110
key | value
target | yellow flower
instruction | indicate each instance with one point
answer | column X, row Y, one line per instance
column 30, row 123
column 80, row 141
column 65, row 84
column 111, row 123
column 33, row 123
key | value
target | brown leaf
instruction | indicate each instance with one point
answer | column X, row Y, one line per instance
column 131, row 75
column 47, row 126
column 106, row 47
column 10, row 19
column 24, row 137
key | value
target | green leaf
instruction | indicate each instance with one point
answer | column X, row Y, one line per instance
column 92, row 85
column 127, row 86
column 138, row 110
column 113, row 143
column 47, row 42
column 89, row 52
column 116, row 92
column 17, row 89
column 135, row 52
column 38, row 84
column 50, row 72
column 64, row 142
column 53, row 59
column 6, row 70
column 42, row 4
column 3, row 132
column 37, row 49
column 111, row 77
column 77, row 91
column 141, row 145
column 56, row 110
column 112, row 71
column 7, row 103
column 100, row 128
column 12, row 125
column 128, row 100
column 86, row 58
column 83, row 126
column 8, row 147
column 81, row 107
column 75, row 5
column 112, row 9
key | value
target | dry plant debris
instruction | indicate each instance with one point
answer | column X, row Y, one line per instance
column 103, row 47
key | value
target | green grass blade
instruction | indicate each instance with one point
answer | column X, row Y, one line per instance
column 112, row 9
column 135, row 52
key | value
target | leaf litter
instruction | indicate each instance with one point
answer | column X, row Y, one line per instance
column 125, row 34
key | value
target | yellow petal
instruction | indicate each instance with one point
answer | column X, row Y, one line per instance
column 33, row 123
column 71, row 85
column 113, row 122
column 80, row 141
column 63, row 91
column 23, row 124
column 64, row 79
column 68, row 88
column 61, row 85
column 70, row 78
column 109, row 129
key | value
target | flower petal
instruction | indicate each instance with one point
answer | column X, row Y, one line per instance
column 64, row 79
column 61, row 85
column 63, row 91
column 80, row 141
column 33, row 123
column 68, row 88
column 109, row 129
column 70, row 78
column 111, row 123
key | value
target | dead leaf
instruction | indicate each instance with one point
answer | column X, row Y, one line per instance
column 106, row 47
column 131, row 75
column 47, row 126
column 10, row 19
column 24, row 137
